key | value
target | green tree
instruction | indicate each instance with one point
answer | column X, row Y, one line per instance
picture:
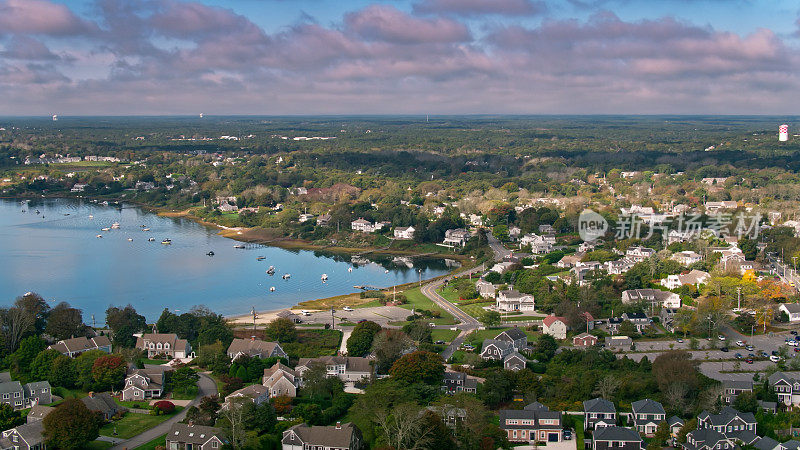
column 108, row 371
column 687, row 428
column 419, row 366
column 546, row 347
column 662, row 434
column 83, row 367
column 360, row 340
column 10, row 418
column 491, row 318
column 71, row 426
column 28, row 349
column 388, row 346
column 282, row 330
column 42, row 364
column 124, row 322
column 183, row 380
column 627, row 328
column 65, row 322
column 62, row 372
column 746, row 402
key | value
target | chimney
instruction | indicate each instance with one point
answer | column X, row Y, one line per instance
column 91, row 394
column 338, row 425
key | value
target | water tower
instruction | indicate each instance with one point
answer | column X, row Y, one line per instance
column 783, row 133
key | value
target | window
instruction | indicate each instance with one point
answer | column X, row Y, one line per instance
column 166, row 345
column 159, row 346
column 16, row 394
column 515, row 433
column 214, row 444
column 5, row 396
column 152, row 345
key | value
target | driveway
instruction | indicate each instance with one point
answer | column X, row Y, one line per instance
column 206, row 386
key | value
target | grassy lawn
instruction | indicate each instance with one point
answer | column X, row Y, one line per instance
column 159, row 441
column 476, row 309
column 444, row 335
column 371, row 304
column 521, row 318
column 99, row 445
column 68, row 393
column 312, row 343
column 418, row 301
column 141, row 404
column 133, row 424
column 449, row 293
column 579, row 431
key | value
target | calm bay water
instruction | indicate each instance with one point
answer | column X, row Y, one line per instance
column 57, row 254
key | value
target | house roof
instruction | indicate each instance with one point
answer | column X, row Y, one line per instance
column 268, row 372
column 502, row 345
column 80, row 344
column 766, row 443
column 10, row 386
column 515, row 354
column 39, row 412
column 791, row 445
column 634, row 316
column 706, row 436
column 352, row 363
column 778, row 376
column 252, row 391
column 584, row 335
column 616, row 434
column 5, row 377
column 31, row 432
column 599, row 405
column 738, row 384
column 675, row 420
column 647, row 406
column 793, row 308
column 551, row 319
column 330, row 436
column 193, row 434
column 513, row 333
column 102, row 402
column 251, row 347
column 725, row 416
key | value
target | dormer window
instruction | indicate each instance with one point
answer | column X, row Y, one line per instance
column 166, row 345
column 152, row 345
column 159, row 346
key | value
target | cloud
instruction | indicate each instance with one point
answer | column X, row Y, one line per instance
column 39, row 17
column 27, row 48
column 386, row 23
column 472, row 8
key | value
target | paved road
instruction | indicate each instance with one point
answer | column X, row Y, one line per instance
column 207, row 387
column 499, row 250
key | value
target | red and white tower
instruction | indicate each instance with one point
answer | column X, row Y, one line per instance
column 783, row 133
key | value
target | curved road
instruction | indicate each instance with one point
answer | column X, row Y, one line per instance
column 206, row 386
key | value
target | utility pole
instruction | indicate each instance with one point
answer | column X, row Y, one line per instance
column 420, row 276
column 333, row 320
column 739, row 297
column 253, row 312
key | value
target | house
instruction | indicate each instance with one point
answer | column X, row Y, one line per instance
column 647, row 414
column 362, row 225
column 687, row 258
column 767, row 443
column 27, row 436
column 667, row 318
column 323, row 220
column 732, row 388
column 404, row 232
column 639, row 254
column 679, row 236
column 347, row 368
column 734, row 425
column 144, row 384
column 287, row 314
column 792, row 310
column 539, row 244
column 75, row 346
column 638, row 319
column 655, row 297
column 599, row 413
column 584, row 340
column 675, row 424
column 534, row 423
column 694, row 278
column 37, row 393
column 189, row 436
column 707, row 439
column 619, row 266
column 280, row 380
column 255, row 348
column 451, row 415
column 164, row 344
column 342, row 436
column 256, row 393
column 616, row 438
column 485, row 289
column 38, row 412
column 786, row 387
column 555, row 326
column 569, row 261
column 514, row 361
column 303, row 218
column 457, row 237
column 494, row 349
column 513, row 300
column 514, row 232
column 716, row 206
column 104, row 404
column 515, row 336
column 453, row 382
column 620, row 343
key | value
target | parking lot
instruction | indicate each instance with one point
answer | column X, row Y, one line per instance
column 381, row 315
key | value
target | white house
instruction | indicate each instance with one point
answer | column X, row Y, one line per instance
column 792, row 310
column 687, row 257
column 513, row 300
column 695, row 278
column 653, row 296
column 539, row 244
column 485, row 289
column 457, row 236
column 404, row 232
column 639, row 254
column 555, row 326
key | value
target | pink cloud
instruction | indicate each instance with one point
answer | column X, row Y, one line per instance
column 39, row 17
column 386, row 23
column 470, row 8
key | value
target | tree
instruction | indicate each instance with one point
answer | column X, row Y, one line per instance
column 236, row 414
column 42, row 364
column 360, row 340
column 688, row 427
column 419, row 366
column 109, row 371
column 546, row 347
column 183, row 380
column 83, row 367
column 627, row 328
column 62, row 372
column 418, row 330
column 675, row 366
column 388, row 346
column 28, row 349
column 10, row 418
column 404, row 427
column 746, row 402
column 607, row 386
column 263, row 419
column 124, row 323
column 65, row 322
column 282, row 330
column 491, row 318
column 71, row 426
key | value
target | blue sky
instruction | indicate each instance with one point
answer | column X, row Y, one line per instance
column 362, row 56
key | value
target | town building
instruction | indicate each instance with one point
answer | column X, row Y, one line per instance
column 616, row 438
column 281, row 381
column 347, row 368
column 647, row 414
column 599, row 413
column 555, row 326
column 457, row 237
column 654, row 297
column 75, row 346
column 255, row 348
column 342, row 436
column 144, row 384
column 687, row 257
column 534, row 423
column 256, row 393
column 104, row 404
column 515, row 336
column 494, row 349
column 792, row 310
column 732, row 388
column 584, row 340
column 485, row 289
column 618, row 343
column 693, row 278
column 638, row 319
column 168, row 344
column 189, row 436
column 404, row 232
column 454, row 382
column 514, row 361
column 639, row 254
column 512, row 300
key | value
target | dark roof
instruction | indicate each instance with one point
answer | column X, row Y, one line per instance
column 725, row 416
column 792, row 307
column 503, row 345
column 599, row 405
column 536, row 406
column 647, row 406
column 193, row 434
column 31, row 432
column 738, row 384
column 318, row 435
column 103, row 403
column 706, row 436
column 616, row 434
column 766, row 443
column 636, row 315
column 514, row 333
column 675, row 420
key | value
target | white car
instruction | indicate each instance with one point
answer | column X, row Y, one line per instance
column 740, row 343
column 347, row 308
column 774, row 358
column 792, row 343
column 721, row 337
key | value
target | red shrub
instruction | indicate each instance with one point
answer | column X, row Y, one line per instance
column 165, row 406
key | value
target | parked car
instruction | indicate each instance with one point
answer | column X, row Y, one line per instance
column 738, row 356
column 740, row 343
column 347, row 308
column 721, row 337
column 567, row 435
column 764, row 354
column 749, row 348
column 775, row 358
column 749, row 360
column 794, row 332
column 439, row 342
column 680, row 341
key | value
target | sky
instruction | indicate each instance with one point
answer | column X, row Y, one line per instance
column 313, row 57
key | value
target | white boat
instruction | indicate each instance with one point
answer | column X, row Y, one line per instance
column 324, row 277
column 271, row 270
column 386, row 271
column 130, row 239
column 272, row 289
column 151, row 239
column 91, row 216
column 115, row 226
column 349, row 269
column 286, row 276
column 238, row 246
column 99, row 235
column 105, row 229
column 145, row 229
column 167, row 241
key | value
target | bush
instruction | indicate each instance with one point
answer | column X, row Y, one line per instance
column 164, row 406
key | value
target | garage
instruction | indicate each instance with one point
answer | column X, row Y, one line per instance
column 552, row 437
